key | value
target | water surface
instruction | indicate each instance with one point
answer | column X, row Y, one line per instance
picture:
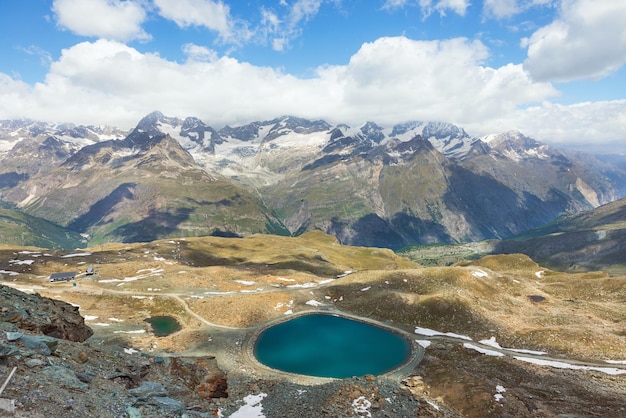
column 162, row 326
column 331, row 346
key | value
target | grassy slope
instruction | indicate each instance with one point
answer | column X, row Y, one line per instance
column 491, row 297
column 579, row 315
column 18, row 228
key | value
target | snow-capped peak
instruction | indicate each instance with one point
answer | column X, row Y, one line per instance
column 517, row 146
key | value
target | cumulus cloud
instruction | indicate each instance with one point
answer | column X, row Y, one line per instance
column 395, row 79
column 591, row 126
column 587, row 41
column 213, row 15
column 110, row 19
column 199, row 53
column 388, row 81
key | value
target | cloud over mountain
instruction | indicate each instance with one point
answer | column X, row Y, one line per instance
column 122, row 75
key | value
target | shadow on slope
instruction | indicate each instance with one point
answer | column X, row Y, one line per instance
column 155, row 226
column 314, row 252
column 437, row 298
column 402, row 230
column 9, row 180
column 102, row 208
column 17, row 228
column 493, row 210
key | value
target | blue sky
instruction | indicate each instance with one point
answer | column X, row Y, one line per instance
column 553, row 69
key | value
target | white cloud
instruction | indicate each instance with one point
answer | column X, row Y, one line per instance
column 502, row 9
column 442, row 6
column 213, row 15
column 395, row 79
column 280, row 28
column 110, row 19
column 44, row 56
column 388, row 81
column 303, row 10
column 592, row 126
column 587, row 41
column 394, row 4
column 199, row 53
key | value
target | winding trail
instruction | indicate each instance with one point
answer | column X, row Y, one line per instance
column 543, row 360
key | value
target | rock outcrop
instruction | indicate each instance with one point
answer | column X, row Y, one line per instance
column 43, row 315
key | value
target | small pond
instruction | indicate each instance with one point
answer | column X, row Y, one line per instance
column 162, row 326
column 325, row 345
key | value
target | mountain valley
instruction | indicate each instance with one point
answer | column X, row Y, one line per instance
column 416, row 183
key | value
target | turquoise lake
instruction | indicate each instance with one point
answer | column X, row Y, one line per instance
column 162, row 326
column 330, row 346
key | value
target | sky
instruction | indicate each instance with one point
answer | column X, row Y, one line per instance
column 552, row 69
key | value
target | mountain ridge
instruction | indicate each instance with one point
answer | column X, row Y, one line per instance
column 413, row 183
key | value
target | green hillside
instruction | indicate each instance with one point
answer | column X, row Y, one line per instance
column 20, row 229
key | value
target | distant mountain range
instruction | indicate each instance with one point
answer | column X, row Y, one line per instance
column 413, row 183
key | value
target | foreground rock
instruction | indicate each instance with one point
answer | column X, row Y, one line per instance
column 71, row 377
column 42, row 315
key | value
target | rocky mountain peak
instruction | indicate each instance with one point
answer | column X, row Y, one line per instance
column 192, row 123
column 153, row 121
column 373, row 132
column 301, row 125
column 511, row 138
column 148, row 128
column 34, row 155
column 287, row 124
column 150, row 121
column 200, row 135
column 447, row 138
column 515, row 145
column 402, row 128
column 442, row 130
column 244, row 133
column 409, row 148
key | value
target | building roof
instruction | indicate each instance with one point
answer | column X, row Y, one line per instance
column 63, row 274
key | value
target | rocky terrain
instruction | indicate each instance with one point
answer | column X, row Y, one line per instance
column 503, row 336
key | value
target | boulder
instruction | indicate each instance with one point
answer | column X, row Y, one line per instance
column 64, row 377
column 148, row 390
column 43, row 315
column 41, row 344
column 201, row 375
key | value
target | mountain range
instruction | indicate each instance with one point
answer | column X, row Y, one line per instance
column 411, row 184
